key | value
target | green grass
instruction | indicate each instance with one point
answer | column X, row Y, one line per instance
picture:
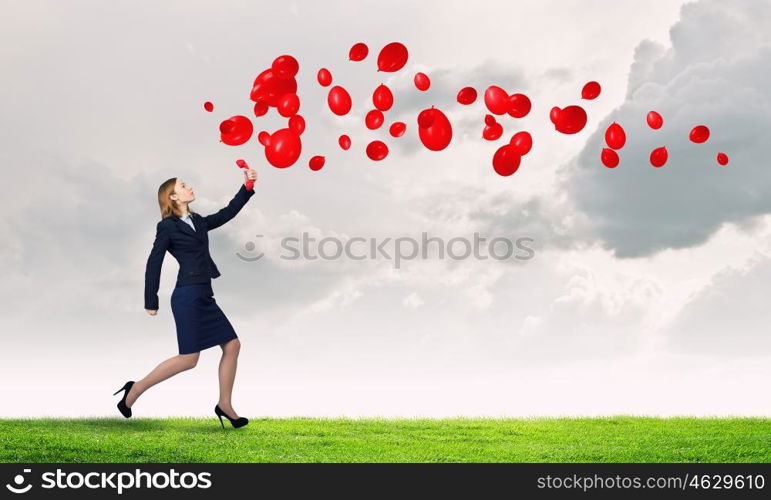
column 609, row 439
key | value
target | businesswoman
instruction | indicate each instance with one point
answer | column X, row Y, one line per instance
column 200, row 322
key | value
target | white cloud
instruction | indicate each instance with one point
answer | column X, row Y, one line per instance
column 715, row 73
column 412, row 301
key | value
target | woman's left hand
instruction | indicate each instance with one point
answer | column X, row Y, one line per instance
column 250, row 174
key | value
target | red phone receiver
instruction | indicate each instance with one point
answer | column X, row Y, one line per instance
column 249, row 182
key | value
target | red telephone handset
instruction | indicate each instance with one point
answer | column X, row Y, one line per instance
column 249, row 182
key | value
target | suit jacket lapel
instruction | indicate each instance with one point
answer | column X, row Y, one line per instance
column 189, row 230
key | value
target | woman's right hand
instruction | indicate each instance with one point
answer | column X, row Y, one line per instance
column 152, row 312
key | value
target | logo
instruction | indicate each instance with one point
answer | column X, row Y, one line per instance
column 18, row 480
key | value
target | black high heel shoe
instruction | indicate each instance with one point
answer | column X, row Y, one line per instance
column 235, row 422
column 125, row 410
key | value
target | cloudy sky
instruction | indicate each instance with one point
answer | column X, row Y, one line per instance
column 646, row 294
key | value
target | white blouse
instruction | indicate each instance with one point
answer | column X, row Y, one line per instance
column 189, row 221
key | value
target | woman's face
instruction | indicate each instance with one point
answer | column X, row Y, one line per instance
column 184, row 192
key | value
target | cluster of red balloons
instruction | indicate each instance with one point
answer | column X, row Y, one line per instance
column 699, row 135
column 392, row 57
column 659, row 156
column 382, row 100
column 508, row 157
column 277, row 87
column 572, row 119
column 498, row 101
column 615, row 138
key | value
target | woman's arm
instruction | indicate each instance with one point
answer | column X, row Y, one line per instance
column 215, row 220
column 153, row 267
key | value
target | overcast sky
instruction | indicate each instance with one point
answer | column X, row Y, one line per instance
column 647, row 292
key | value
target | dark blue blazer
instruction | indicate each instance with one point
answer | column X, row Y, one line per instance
column 190, row 247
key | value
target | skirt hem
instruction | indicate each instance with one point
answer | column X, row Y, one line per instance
column 204, row 347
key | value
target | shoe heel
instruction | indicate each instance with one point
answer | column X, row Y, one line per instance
column 124, row 410
column 221, row 422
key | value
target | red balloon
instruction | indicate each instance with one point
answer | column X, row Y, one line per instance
column 377, row 150
column 236, row 130
column 285, row 67
column 426, row 118
column 422, row 82
column 609, row 158
column 496, row 100
column 506, row 160
column 522, row 142
column 699, row 134
column 269, row 88
column 392, row 57
column 382, row 98
column 659, row 157
column 492, row 132
column 316, row 163
column 490, row 120
column 571, row 120
column 722, row 158
column 655, row 121
column 339, row 100
column 283, row 148
column 374, row 119
column 263, row 138
column 260, row 108
column 467, row 95
column 208, row 106
column 345, row 142
column 324, row 77
column 288, row 105
column 297, row 124
column 519, row 105
column 397, row 129
column 615, row 137
column 358, row 52
column 591, row 90
column 438, row 134
column 554, row 114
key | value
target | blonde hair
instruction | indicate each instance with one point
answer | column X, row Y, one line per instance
column 168, row 206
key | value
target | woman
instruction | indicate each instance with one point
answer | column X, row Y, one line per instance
column 200, row 322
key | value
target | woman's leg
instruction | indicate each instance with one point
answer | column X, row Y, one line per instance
column 168, row 368
column 227, row 372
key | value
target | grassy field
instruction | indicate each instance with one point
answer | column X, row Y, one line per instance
column 611, row 439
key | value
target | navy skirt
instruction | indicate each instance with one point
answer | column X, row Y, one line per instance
column 200, row 322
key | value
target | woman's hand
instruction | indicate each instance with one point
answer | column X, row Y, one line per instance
column 249, row 174
column 152, row 312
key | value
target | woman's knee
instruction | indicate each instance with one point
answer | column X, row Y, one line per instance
column 232, row 347
column 190, row 360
